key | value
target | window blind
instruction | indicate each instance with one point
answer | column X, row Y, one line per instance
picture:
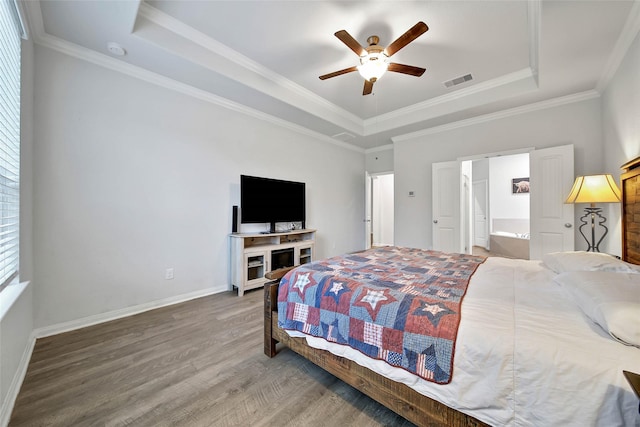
column 10, row 39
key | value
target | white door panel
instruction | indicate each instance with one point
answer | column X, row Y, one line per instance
column 551, row 171
column 446, row 239
column 480, row 224
column 446, row 206
column 367, row 209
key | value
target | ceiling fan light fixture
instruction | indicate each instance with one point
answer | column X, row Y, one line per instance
column 373, row 66
column 374, row 59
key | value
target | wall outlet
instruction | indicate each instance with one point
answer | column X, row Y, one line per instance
column 168, row 273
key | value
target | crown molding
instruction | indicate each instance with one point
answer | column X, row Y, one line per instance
column 299, row 97
column 102, row 60
column 33, row 18
column 542, row 105
column 378, row 149
column 132, row 25
column 151, row 22
column 441, row 105
column 525, row 79
column 453, row 96
column 177, row 27
column 497, row 154
column 628, row 34
column 492, row 90
column 258, row 77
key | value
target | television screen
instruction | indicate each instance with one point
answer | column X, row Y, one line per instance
column 265, row 200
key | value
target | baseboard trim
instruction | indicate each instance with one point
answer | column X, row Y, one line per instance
column 18, row 378
column 120, row 313
column 16, row 383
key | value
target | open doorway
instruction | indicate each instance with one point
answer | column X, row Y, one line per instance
column 382, row 209
column 550, row 221
column 498, row 211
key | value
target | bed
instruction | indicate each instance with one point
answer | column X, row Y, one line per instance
column 531, row 348
column 510, row 238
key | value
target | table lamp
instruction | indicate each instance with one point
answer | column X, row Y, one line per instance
column 594, row 189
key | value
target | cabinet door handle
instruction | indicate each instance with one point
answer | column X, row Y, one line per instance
column 435, row 221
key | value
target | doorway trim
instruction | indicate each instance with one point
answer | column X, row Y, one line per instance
column 484, row 192
column 497, row 154
column 370, row 217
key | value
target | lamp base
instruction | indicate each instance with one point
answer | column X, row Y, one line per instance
column 593, row 212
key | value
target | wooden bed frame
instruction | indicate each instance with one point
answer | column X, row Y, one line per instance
column 630, row 183
column 398, row 397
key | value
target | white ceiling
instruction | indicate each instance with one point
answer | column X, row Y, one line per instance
column 265, row 56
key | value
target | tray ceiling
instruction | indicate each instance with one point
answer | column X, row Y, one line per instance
column 265, row 56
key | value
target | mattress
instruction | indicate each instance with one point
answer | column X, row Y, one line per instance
column 526, row 356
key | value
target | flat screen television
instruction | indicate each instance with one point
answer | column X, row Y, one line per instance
column 266, row 200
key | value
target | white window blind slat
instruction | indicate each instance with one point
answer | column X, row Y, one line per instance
column 10, row 42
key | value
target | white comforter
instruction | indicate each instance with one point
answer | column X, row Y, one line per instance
column 526, row 356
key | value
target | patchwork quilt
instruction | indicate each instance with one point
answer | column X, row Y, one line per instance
column 400, row 305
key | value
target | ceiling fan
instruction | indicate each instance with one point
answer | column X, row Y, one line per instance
column 374, row 59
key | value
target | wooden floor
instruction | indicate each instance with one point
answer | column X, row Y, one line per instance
column 479, row 250
column 198, row 363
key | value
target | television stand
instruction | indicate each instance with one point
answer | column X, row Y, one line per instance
column 252, row 255
column 272, row 227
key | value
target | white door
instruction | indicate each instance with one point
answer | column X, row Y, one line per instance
column 480, row 223
column 465, row 215
column 551, row 178
column 382, row 209
column 446, row 206
column 367, row 210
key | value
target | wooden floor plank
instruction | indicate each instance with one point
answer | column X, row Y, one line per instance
column 198, row 363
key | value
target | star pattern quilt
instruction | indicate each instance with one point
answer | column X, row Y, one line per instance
column 400, row 305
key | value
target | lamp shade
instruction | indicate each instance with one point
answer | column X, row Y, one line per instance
column 373, row 66
column 594, row 189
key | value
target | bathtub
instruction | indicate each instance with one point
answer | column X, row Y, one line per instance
column 510, row 238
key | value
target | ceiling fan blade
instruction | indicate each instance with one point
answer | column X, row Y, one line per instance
column 350, row 42
column 406, row 69
column 412, row 34
column 338, row 73
column 368, row 87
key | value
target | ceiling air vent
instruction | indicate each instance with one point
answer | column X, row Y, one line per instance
column 458, row 80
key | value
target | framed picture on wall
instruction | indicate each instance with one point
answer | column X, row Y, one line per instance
column 520, row 185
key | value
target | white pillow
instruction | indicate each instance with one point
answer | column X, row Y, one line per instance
column 612, row 300
column 587, row 261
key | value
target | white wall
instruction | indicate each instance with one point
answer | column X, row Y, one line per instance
column 504, row 203
column 133, row 179
column 379, row 160
column 621, row 124
column 16, row 341
column 16, row 304
column 480, row 169
column 577, row 123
